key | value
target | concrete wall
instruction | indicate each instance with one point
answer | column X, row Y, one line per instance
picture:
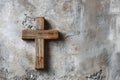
column 88, row 47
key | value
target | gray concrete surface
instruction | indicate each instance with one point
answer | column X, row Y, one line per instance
column 88, row 47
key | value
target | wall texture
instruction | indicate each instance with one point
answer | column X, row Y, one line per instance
column 88, row 47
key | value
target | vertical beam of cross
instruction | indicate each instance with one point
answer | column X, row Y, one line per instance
column 39, row 44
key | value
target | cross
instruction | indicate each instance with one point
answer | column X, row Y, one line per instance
column 39, row 35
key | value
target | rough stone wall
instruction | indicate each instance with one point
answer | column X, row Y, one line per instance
column 88, row 47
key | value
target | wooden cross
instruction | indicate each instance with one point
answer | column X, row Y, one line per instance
column 39, row 35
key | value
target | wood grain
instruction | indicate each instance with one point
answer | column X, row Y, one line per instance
column 39, row 60
column 39, row 35
column 42, row 34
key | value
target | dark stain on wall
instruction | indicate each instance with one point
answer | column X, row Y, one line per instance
column 28, row 22
column 96, row 76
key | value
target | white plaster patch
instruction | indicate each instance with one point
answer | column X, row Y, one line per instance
column 115, row 6
column 118, row 33
column 112, row 34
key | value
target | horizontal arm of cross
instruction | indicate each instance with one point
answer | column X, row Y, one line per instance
column 42, row 34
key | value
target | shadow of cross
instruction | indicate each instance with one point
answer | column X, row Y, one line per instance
column 39, row 35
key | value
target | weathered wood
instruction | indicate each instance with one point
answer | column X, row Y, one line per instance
column 42, row 34
column 39, row 35
column 39, row 60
